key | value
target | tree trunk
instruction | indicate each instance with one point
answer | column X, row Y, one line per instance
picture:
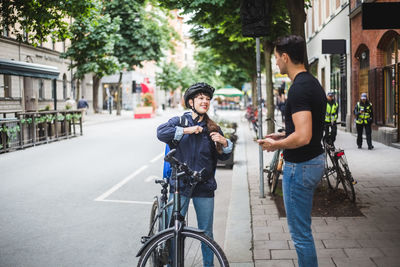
column 78, row 85
column 96, row 83
column 268, row 47
column 298, row 16
column 119, row 97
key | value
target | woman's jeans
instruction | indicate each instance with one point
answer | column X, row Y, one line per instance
column 299, row 183
column 204, row 207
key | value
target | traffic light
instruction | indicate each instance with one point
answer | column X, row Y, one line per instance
column 254, row 15
column 133, row 87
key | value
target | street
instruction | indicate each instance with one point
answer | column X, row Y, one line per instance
column 86, row 201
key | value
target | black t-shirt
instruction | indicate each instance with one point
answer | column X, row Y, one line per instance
column 305, row 94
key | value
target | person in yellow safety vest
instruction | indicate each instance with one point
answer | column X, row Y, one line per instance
column 364, row 115
column 331, row 116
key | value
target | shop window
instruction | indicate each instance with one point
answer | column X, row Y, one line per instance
column 390, row 82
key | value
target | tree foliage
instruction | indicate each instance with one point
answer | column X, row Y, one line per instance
column 144, row 33
column 38, row 19
column 93, row 43
column 167, row 78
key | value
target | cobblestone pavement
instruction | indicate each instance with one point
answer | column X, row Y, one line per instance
column 372, row 240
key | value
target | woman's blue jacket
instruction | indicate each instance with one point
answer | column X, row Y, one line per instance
column 198, row 151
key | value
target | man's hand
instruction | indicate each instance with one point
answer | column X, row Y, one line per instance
column 193, row 130
column 275, row 136
column 217, row 137
column 267, row 144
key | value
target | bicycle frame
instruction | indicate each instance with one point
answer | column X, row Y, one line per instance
column 179, row 223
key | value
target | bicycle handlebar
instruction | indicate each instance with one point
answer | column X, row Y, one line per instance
column 182, row 167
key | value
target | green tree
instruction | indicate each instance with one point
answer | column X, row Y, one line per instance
column 168, row 78
column 144, row 33
column 34, row 20
column 92, row 48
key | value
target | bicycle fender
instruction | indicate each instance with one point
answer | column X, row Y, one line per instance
column 144, row 247
column 169, row 230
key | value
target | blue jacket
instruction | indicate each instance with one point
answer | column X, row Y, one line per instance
column 198, row 151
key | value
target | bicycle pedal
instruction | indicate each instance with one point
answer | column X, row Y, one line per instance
column 144, row 239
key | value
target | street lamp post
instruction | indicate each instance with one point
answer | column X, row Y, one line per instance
column 260, row 128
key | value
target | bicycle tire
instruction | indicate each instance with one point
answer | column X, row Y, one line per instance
column 192, row 255
column 272, row 167
column 157, row 259
column 331, row 174
column 275, row 181
column 346, row 179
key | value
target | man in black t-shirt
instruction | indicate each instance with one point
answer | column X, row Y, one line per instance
column 303, row 152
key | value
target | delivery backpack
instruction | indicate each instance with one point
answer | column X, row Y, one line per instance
column 167, row 167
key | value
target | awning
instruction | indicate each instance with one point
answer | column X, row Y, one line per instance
column 19, row 68
column 228, row 92
column 147, row 88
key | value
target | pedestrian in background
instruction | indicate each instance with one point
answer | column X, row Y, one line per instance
column 331, row 116
column 199, row 144
column 364, row 115
column 303, row 152
column 83, row 105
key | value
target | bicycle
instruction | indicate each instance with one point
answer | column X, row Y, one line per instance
column 178, row 245
column 337, row 170
column 251, row 116
column 274, row 169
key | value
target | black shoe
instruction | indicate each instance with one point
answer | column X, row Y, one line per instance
column 359, row 147
column 370, row 147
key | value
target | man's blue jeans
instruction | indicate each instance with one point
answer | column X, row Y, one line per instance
column 299, row 183
column 204, row 207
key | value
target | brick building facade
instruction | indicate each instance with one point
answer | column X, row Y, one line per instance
column 375, row 62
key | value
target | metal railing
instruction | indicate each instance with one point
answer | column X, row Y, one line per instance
column 26, row 129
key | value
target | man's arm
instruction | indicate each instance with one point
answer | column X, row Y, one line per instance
column 301, row 136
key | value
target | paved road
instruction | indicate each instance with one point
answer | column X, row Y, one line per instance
column 85, row 201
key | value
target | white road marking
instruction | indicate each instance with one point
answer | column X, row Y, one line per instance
column 126, row 201
column 120, row 184
column 157, row 158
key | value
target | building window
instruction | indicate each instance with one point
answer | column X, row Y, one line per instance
column 6, row 86
column 6, row 32
column 390, row 81
column 41, row 89
column 314, row 68
column 64, row 86
column 323, row 78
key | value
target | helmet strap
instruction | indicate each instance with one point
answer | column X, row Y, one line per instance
column 196, row 120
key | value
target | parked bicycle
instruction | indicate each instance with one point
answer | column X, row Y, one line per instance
column 178, row 245
column 337, row 171
column 274, row 169
column 251, row 116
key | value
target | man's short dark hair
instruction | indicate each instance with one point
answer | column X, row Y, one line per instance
column 293, row 45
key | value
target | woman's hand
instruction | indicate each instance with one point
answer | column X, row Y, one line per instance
column 193, row 130
column 218, row 138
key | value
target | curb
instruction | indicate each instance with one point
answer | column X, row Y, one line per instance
column 238, row 235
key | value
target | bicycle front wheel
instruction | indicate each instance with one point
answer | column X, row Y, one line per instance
column 193, row 244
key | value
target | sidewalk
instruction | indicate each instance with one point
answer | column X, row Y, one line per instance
column 372, row 240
